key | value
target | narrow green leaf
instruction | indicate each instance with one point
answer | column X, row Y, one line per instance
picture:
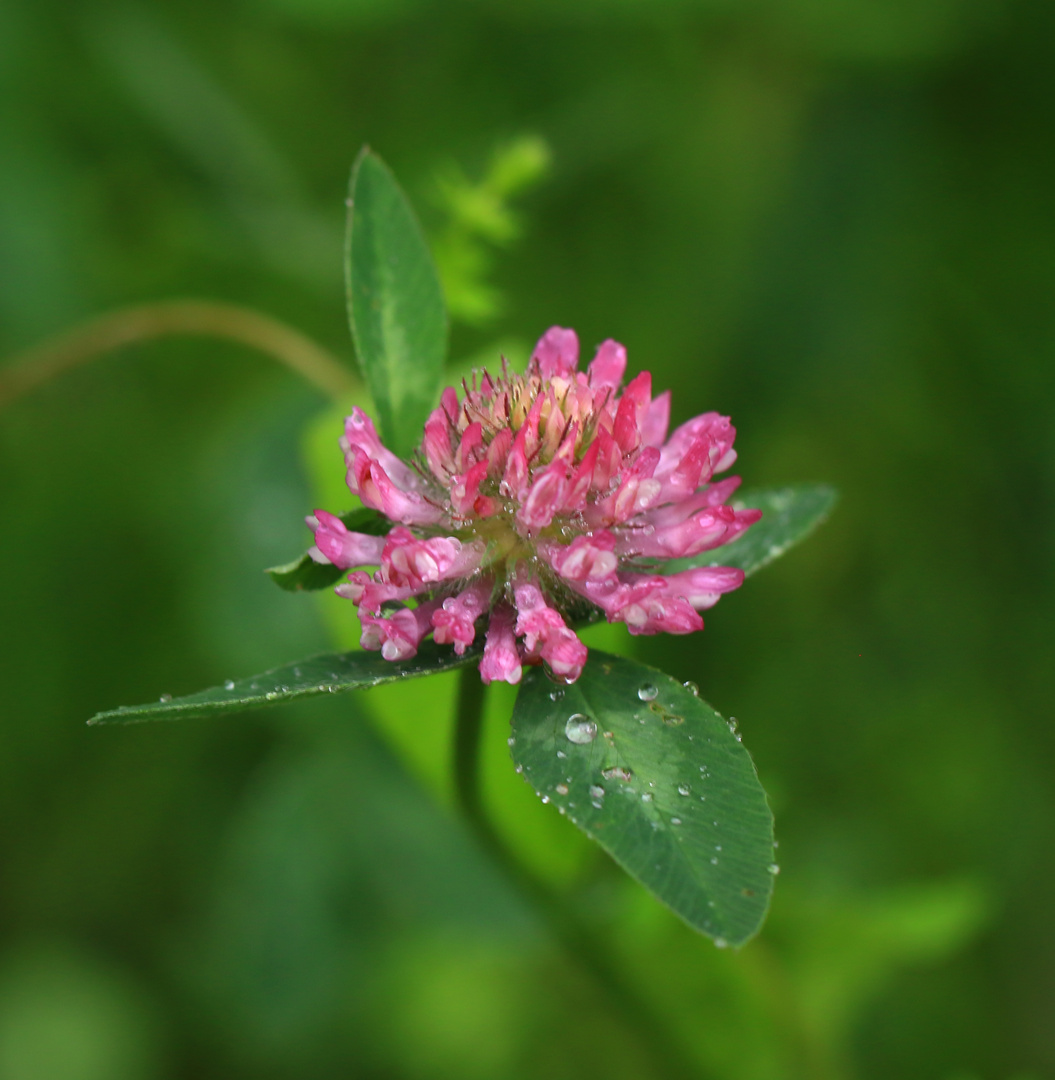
column 395, row 304
column 653, row 774
column 328, row 674
column 307, row 575
column 789, row 515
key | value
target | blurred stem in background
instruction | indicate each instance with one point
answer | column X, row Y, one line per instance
column 203, row 318
column 575, row 937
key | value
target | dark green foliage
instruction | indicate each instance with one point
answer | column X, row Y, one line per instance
column 395, row 304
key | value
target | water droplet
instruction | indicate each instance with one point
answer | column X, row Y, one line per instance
column 561, row 754
column 773, row 868
column 617, row 772
column 228, row 684
column 648, row 692
column 721, row 943
column 596, row 791
column 732, row 723
column 717, row 847
column 597, row 805
column 511, row 741
column 646, row 796
column 165, row 699
column 683, row 789
column 710, row 903
column 673, row 718
column 580, row 729
column 544, row 798
column 692, row 688
column 519, row 768
column 714, row 860
column 556, row 695
column 561, row 789
column 282, row 689
column 675, row 821
column 562, row 810
column 296, row 672
column 609, row 736
column 271, row 695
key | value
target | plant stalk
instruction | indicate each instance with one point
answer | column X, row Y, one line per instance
column 202, row 318
column 574, row 935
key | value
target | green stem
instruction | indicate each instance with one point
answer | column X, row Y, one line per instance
column 574, row 935
column 202, row 318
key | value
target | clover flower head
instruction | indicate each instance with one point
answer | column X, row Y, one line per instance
column 533, row 501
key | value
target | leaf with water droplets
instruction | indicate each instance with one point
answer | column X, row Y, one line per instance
column 332, row 673
column 668, row 792
column 789, row 515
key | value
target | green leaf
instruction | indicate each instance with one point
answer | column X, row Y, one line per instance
column 652, row 773
column 332, row 673
column 395, row 304
column 789, row 515
column 307, row 575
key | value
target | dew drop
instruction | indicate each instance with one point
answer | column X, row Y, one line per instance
column 717, row 847
column 511, row 741
column 580, row 729
column 692, row 688
column 545, row 799
column 714, row 860
column 596, row 804
column 673, row 718
column 675, row 821
column 519, row 768
column 648, row 692
column 683, row 789
column 646, row 796
column 596, row 791
column 617, row 772
column 228, row 684
column 773, row 868
column 271, row 695
column 561, row 789
column 165, row 699
column 721, row 943
column 296, row 672
column 561, row 754
column 556, row 695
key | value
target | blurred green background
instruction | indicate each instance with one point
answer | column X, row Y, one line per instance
column 832, row 219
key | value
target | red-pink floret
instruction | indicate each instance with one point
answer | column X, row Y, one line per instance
column 530, row 495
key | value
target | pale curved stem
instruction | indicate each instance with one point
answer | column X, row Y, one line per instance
column 200, row 318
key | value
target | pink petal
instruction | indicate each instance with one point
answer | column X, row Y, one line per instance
column 586, row 558
column 656, row 420
column 501, row 661
column 543, row 500
column 343, row 548
column 703, row 586
column 608, row 366
column 362, row 441
column 632, row 406
column 708, row 528
column 398, row 635
column 454, row 623
column 557, row 352
column 370, row 594
column 376, row 489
